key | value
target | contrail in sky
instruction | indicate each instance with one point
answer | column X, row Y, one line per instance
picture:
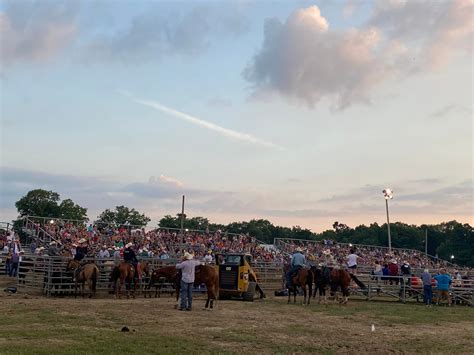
column 199, row 122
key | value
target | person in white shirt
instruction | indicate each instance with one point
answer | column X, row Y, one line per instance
column 208, row 258
column 352, row 261
column 104, row 253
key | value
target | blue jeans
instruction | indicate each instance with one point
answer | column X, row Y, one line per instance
column 186, row 295
column 427, row 294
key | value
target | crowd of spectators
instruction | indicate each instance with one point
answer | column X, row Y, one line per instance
column 105, row 240
column 376, row 258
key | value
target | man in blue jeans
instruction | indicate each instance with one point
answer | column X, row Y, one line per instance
column 187, row 268
column 427, row 288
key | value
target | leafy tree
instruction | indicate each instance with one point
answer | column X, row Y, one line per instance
column 40, row 203
column 123, row 216
column 70, row 210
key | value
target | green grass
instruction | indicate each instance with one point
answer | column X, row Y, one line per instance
column 67, row 326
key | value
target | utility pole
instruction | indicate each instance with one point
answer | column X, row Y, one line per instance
column 426, row 241
column 388, row 228
column 182, row 216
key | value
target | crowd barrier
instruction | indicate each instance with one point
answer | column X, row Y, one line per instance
column 44, row 275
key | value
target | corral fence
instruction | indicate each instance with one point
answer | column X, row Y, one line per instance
column 44, row 275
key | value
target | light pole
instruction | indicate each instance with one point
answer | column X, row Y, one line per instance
column 388, row 195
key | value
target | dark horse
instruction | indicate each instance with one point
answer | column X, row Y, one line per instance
column 340, row 279
column 169, row 273
column 88, row 273
column 321, row 282
column 303, row 278
column 204, row 274
column 122, row 274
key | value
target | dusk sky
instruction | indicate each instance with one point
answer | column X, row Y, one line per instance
column 299, row 112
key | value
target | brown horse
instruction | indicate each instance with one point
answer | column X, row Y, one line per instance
column 341, row 279
column 208, row 275
column 88, row 273
column 303, row 278
column 204, row 274
column 169, row 273
column 122, row 274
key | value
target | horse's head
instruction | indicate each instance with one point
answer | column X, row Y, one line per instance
column 72, row 265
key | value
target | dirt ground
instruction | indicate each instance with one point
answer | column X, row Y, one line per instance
column 68, row 325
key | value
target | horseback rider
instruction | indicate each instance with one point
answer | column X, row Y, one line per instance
column 81, row 250
column 130, row 257
column 298, row 261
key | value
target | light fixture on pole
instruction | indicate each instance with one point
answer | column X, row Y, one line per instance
column 452, row 257
column 388, row 195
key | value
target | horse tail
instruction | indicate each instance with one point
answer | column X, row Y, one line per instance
column 357, row 281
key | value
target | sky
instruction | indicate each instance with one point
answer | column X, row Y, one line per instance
column 299, row 112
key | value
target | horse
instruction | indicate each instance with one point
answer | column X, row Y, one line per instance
column 303, row 278
column 122, row 274
column 208, row 275
column 341, row 279
column 170, row 273
column 321, row 282
column 204, row 274
column 88, row 273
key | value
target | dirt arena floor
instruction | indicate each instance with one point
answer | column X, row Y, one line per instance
column 37, row 325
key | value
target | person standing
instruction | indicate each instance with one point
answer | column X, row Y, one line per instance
column 427, row 288
column 352, row 261
column 187, row 268
column 443, row 281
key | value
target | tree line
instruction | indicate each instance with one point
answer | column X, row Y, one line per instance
column 444, row 240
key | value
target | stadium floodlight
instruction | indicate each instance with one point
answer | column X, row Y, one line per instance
column 51, row 222
column 452, row 257
column 187, row 230
column 388, row 195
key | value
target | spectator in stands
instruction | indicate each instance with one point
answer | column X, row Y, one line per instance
column 393, row 272
column 208, row 257
column 104, row 253
column 427, row 288
column 386, row 273
column 187, row 266
column 352, row 261
column 443, row 281
column 33, row 247
column 378, row 272
column 53, row 249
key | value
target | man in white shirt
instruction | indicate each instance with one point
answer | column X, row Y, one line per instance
column 352, row 262
column 187, row 268
column 104, row 253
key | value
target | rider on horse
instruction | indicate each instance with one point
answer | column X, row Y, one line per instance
column 130, row 257
column 81, row 250
column 298, row 261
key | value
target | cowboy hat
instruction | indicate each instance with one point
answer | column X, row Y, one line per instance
column 128, row 245
column 326, row 252
column 82, row 240
column 52, row 243
column 393, row 261
column 188, row 256
column 299, row 249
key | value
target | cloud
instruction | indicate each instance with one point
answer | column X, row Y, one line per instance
column 306, row 60
column 36, row 31
column 157, row 33
column 166, row 179
column 235, row 135
column 451, row 109
column 434, row 30
column 350, row 7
